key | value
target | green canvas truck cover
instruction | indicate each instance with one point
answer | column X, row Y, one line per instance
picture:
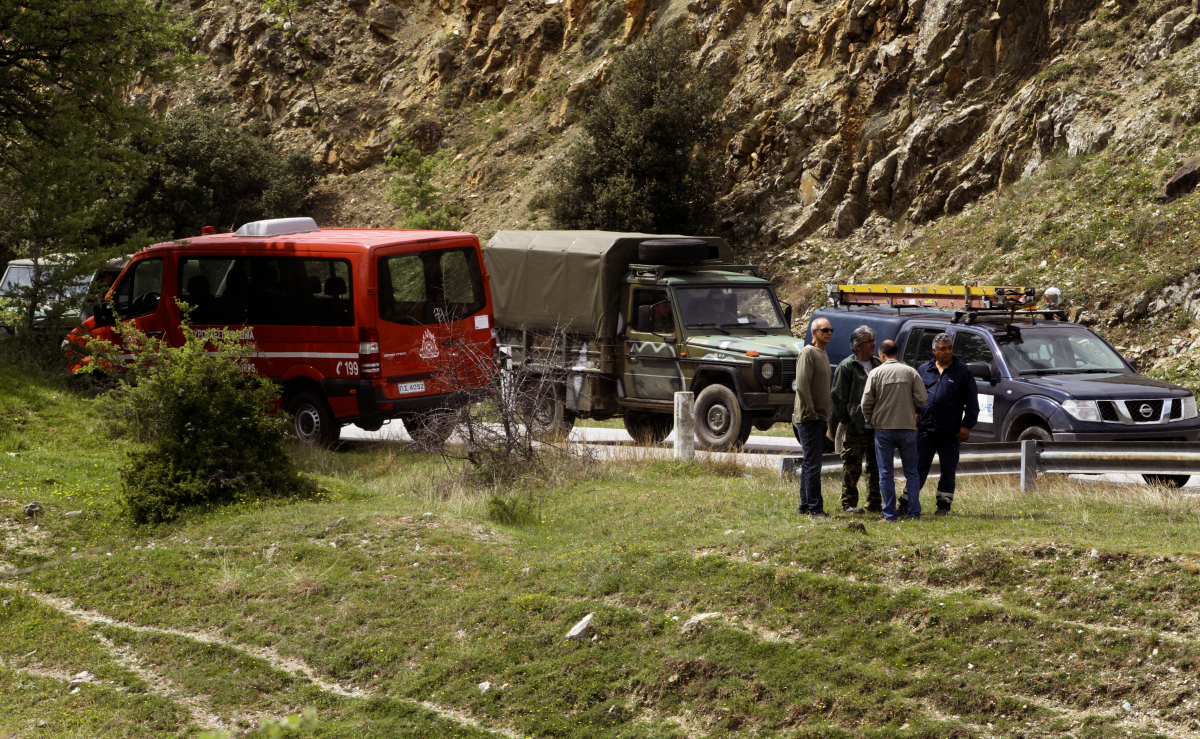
column 544, row 280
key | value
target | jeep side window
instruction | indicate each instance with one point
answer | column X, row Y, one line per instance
column 920, row 346
column 664, row 321
column 138, row 294
column 969, row 347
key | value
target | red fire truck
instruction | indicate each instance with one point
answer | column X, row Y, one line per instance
column 355, row 325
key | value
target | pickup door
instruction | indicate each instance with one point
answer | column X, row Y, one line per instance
column 972, row 347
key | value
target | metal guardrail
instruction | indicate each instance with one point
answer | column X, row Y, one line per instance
column 1029, row 458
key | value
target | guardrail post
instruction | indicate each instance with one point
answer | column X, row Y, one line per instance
column 685, row 425
column 1028, row 466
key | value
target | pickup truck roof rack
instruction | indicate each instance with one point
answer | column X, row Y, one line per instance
column 967, row 298
column 970, row 317
column 659, row 271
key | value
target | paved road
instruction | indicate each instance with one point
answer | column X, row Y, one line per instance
column 760, row 451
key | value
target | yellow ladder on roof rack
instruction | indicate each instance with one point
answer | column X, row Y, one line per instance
column 963, row 297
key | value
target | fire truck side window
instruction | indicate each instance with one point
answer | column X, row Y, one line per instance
column 138, row 294
column 267, row 291
column 428, row 287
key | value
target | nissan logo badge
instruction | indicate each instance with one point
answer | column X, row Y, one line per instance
column 1146, row 410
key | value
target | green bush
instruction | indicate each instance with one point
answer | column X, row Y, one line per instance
column 412, row 189
column 206, row 423
column 202, row 172
column 641, row 164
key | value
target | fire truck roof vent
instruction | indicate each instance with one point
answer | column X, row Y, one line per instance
column 278, row 227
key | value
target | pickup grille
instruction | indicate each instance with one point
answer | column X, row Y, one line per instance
column 1176, row 409
column 1135, row 410
column 789, row 372
column 1108, row 411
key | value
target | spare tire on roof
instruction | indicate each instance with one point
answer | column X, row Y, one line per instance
column 672, row 251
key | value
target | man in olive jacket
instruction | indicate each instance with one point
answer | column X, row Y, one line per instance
column 811, row 415
column 858, row 445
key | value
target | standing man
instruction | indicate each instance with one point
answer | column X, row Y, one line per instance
column 947, row 417
column 858, row 446
column 811, row 416
column 893, row 394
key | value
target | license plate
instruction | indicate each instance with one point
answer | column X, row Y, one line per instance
column 407, row 388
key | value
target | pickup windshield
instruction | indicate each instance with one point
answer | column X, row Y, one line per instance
column 1058, row 351
column 728, row 307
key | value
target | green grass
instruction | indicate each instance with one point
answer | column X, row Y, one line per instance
column 386, row 605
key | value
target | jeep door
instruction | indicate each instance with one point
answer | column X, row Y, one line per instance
column 652, row 369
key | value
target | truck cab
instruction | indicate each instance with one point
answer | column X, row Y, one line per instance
column 621, row 322
column 1039, row 375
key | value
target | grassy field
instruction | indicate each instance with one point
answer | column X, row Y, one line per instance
column 397, row 605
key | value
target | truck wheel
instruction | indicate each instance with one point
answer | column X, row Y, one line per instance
column 1035, row 433
column 721, row 425
column 648, row 428
column 430, row 428
column 1167, row 481
column 548, row 417
column 313, row 420
column 672, row 251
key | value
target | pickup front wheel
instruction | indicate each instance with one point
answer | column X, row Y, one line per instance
column 721, row 424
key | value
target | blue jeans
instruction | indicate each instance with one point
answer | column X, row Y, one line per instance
column 887, row 442
column 812, row 441
column 946, row 447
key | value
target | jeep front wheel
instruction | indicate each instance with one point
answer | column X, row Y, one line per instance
column 721, row 424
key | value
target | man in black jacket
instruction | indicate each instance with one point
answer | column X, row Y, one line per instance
column 858, row 445
column 947, row 417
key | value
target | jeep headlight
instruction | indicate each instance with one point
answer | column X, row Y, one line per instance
column 1084, row 410
column 1189, row 407
column 768, row 371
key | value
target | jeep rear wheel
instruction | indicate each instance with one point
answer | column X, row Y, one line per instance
column 721, row 424
column 648, row 428
column 547, row 415
column 313, row 420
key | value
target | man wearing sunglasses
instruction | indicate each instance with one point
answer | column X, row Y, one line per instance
column 811, row 415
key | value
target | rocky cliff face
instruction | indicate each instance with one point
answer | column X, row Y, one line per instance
column 851, row 126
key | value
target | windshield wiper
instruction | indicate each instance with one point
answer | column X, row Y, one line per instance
column 1041, row 372
column 743, row 325
column 707, row 325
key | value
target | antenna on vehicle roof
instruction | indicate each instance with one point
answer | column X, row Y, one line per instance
column 236, row 213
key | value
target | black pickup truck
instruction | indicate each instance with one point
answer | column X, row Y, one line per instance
column 1040, row 376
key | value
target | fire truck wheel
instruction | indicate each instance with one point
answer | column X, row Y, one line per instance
column 314, row 421
column 721, row 424
column 648, row 428
column 430, row 428
column 672, row 251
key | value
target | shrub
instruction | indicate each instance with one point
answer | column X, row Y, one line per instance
column 209, row 436
column 641, row 165
column 413, row 190
column 205, row 173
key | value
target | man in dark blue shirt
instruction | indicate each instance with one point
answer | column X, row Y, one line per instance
column 946, row 418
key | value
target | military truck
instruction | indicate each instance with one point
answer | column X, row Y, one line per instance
column 616, row 323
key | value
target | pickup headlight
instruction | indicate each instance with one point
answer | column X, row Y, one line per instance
column 1084, row 410
column 1189, row 407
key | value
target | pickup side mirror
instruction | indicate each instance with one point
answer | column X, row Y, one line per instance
column 645, row 319
column 103, row 315
column 1133, row 364
column 982, row 371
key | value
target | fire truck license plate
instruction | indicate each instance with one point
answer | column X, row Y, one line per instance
column 406, row 388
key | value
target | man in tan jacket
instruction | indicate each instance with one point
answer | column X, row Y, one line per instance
column 890, row 401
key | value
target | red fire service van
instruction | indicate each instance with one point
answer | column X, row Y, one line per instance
column 355, row 325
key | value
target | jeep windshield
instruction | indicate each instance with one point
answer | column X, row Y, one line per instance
column 728, row 307
column 1053, row 351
